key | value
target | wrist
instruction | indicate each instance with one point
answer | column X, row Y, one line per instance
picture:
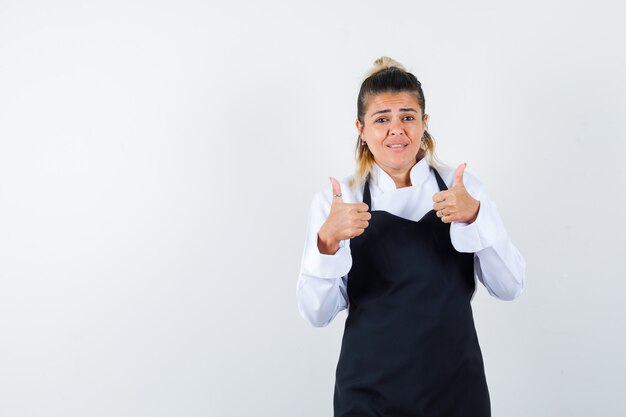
column 327, row 246
column 475, row 216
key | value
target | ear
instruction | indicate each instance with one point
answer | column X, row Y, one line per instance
column 426, row 117
column 359, row 126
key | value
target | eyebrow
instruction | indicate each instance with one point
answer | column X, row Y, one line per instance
column 404, row 109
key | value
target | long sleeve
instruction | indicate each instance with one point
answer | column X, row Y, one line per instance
column 497, row 263
column 321, row 287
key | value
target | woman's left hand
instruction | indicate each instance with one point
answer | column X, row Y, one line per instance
column 456, row 204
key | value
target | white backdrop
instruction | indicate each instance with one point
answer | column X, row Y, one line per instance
column 158, row 158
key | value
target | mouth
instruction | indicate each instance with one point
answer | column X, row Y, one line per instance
column 397, row 146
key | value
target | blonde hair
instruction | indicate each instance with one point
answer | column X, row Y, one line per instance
column 383, row 63
column 388, row 75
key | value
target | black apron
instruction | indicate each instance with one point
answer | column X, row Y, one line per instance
column 409, row 346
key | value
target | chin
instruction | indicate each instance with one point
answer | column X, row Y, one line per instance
column 401, row 165
column 403, row 162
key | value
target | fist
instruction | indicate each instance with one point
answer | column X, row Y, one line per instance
column 345, row 221
column 456, row 204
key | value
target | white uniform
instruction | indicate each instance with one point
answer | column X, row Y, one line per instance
column 321, row 287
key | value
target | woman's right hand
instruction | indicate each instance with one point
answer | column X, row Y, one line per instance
column 345, row 221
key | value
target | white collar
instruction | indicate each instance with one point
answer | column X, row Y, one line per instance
column 419, row 173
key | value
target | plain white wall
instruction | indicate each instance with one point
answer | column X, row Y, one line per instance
column 158, row 158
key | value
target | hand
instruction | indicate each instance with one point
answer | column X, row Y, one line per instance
column 345, row 221
column 456, row 204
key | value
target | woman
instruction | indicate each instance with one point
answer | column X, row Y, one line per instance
column 399, row 244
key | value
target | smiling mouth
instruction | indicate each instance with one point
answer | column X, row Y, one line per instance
column 397, row 145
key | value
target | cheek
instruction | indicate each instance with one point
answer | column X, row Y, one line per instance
column 374, row 134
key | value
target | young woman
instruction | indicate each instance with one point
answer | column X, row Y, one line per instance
column 399, row 244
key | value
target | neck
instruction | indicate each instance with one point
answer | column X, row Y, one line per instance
column 401, row 179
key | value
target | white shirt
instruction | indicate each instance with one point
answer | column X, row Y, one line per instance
column 321, row 288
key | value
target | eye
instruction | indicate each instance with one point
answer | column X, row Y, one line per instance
column 409, row 118
column 381, row 120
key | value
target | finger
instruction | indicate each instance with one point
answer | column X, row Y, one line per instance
column 439, row 206
column 458, row 175
column 336, row 189
column 362, row 216
column 361, row 207
column 440, row 196
column 365, row 216
column 447, row 219
column 362, row 224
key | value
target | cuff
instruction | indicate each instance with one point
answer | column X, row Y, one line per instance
column 329, row 266
column 482, row 233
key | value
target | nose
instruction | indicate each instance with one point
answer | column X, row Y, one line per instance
column 395, row 128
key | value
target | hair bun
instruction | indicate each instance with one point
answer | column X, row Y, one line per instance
column 383, row 63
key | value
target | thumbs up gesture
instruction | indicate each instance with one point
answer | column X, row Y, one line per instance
column 345, row 221
column 456, row 204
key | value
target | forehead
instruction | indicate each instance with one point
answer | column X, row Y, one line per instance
column 391, row 101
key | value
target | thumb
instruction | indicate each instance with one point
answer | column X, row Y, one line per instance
column 336, row 189
column 458, row 174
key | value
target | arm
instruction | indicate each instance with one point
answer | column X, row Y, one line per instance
column 321, row 288
column 497, row 263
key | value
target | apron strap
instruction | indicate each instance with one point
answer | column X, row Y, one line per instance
column 442, row 185
column 367, row 197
